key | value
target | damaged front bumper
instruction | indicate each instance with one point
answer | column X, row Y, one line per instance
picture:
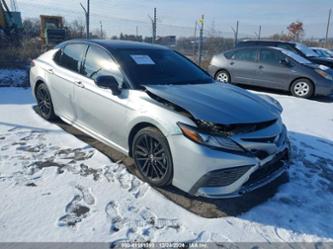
column 206, row 172
column 258, row 176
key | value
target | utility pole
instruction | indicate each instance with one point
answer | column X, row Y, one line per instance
column 101, row 25
column 259, row 34
column 195, row 40
column 236, row 33
column 328, row 27
column 154, row 25
column 87, row 15
column 137, row 32
column 202, row 22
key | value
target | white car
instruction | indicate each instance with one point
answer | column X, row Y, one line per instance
column 153, row 104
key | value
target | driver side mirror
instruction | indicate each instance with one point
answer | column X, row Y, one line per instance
column 108, row 82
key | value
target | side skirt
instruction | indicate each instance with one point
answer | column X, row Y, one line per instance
column 96, row 136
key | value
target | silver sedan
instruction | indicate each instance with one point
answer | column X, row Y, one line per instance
column 153, row 104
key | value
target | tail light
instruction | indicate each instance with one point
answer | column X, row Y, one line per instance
column 32, row 64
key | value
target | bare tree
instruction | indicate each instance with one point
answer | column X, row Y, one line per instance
column 282, row 37
column 75, row 29
column 296, row 30
column 31, row 27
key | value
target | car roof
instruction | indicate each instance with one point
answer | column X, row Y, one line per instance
column 268, row 41
column 259, row 47
column 115, row 44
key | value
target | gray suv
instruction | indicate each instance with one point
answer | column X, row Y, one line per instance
column 272, row 67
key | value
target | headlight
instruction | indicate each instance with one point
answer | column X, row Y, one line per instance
column 324, row 74
column 215, row 141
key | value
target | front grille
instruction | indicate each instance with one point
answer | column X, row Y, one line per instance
column 261, row 154
column 225, row 177
column 229, row 130
column 261, row 139
column 268, row 169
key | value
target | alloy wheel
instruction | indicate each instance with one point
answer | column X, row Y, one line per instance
column 151, row 157
column 44, row 101
column 222, row 77
column 301, row 88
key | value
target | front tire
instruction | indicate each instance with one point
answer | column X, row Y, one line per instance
column 223, row 76
column 302, row 88
column 44, row 102
column 152, row 157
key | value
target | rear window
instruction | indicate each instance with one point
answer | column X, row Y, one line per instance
column 70, row 56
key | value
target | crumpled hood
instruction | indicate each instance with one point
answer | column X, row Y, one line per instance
column 218, row 103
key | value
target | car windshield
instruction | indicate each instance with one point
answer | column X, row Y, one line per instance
column 159, row 67
column 296, row 57
column 323, row 52
column 308, row 52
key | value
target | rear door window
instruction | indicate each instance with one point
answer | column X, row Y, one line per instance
column 71, row 56
column 270, row 56
column 229, row 54
column 247, row 54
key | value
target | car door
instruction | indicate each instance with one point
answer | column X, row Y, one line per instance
column 63, row 77
column 272, row 71
column 243, row 66
column 98, row 110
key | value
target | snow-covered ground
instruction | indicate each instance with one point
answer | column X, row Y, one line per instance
column 56, row 188
column 13, row 77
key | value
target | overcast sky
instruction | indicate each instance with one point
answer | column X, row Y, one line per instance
column 178, row 16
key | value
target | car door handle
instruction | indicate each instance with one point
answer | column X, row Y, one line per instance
column 231, row 63
column 79, row 83
column 261, row 67
column 50, row 70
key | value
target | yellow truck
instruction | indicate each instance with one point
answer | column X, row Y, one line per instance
column 52, row 30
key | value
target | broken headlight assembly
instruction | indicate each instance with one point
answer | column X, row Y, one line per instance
column 214, row 141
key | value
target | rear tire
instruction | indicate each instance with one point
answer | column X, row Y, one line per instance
column 44, row 102
column 302, row 88
column 152, row 157
column 223, row 76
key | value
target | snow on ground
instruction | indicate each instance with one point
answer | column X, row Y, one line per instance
column 13, row 77
column 56, row 188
